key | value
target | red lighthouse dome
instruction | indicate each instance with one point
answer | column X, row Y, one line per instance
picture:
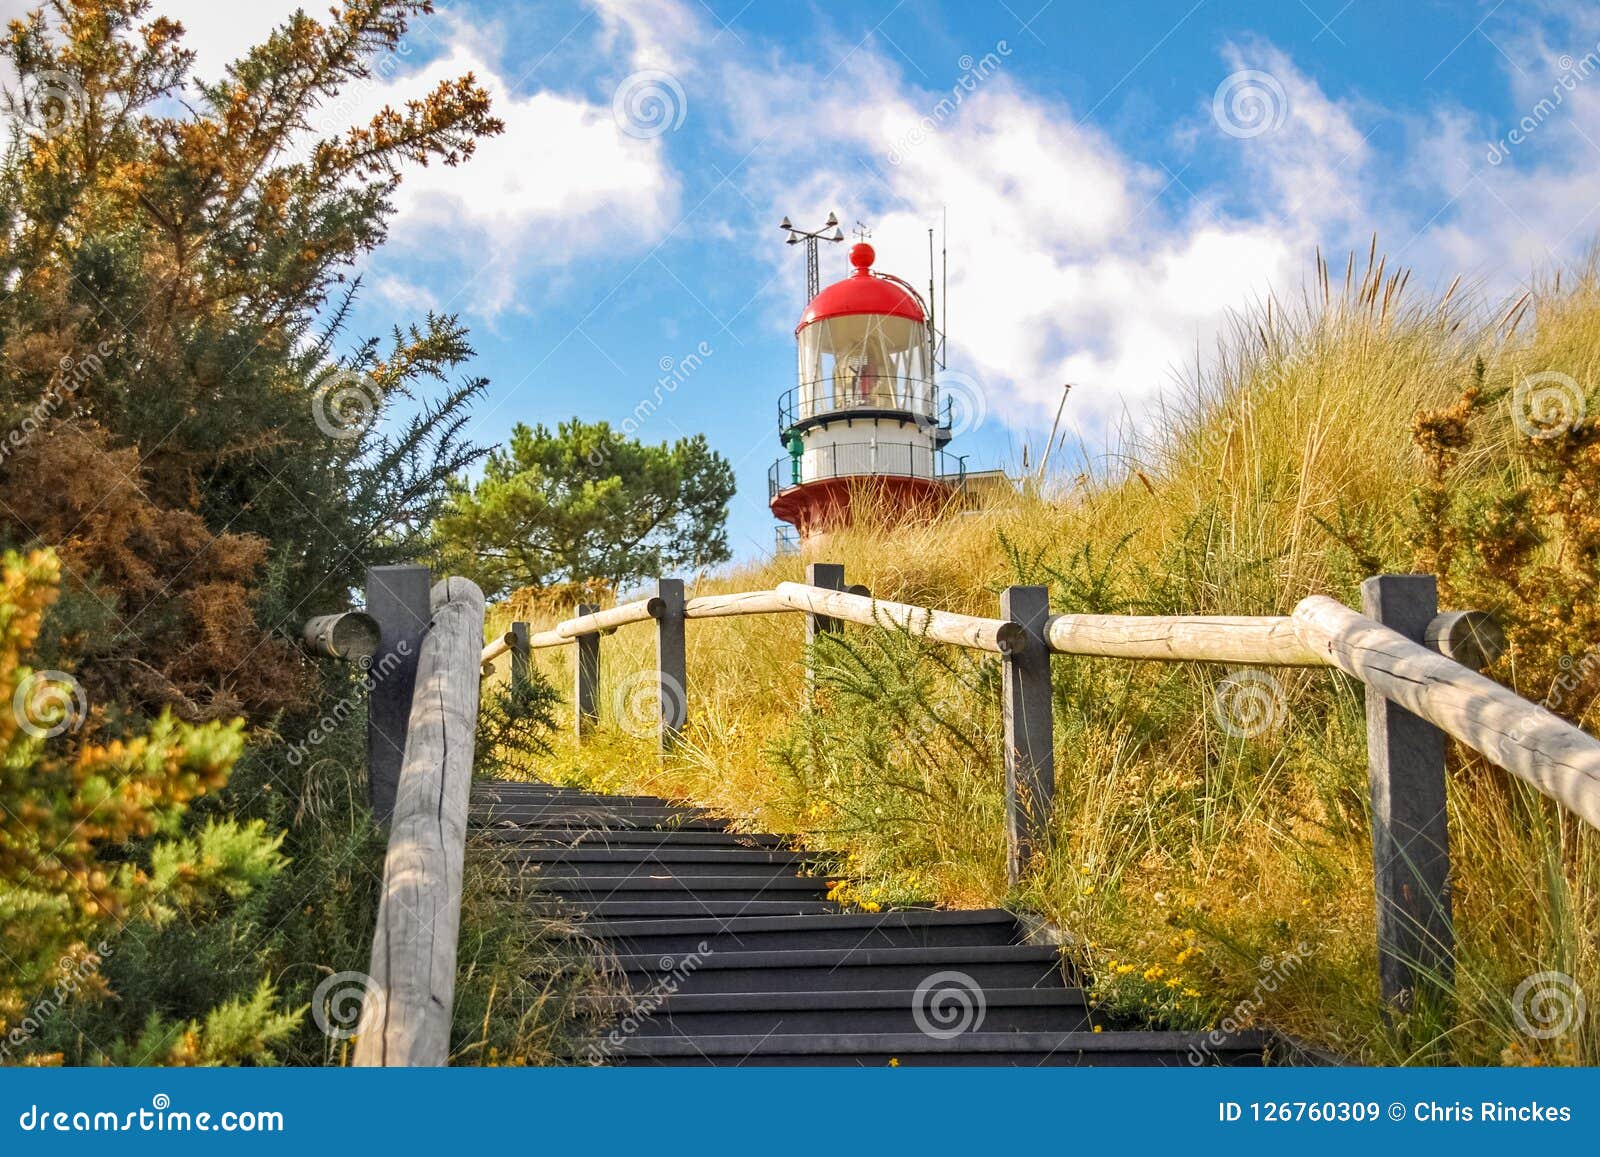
column 863, row 293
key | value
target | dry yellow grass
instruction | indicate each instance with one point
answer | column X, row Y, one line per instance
column 1202, row 877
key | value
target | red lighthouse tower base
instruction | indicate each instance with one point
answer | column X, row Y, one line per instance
column 817, row 508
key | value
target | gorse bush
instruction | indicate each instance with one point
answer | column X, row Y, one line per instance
column 91, row 847
column 179, row 253
column 1210, row 860
column 186, row 420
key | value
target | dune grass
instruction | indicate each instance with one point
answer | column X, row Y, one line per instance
column 1203, row 876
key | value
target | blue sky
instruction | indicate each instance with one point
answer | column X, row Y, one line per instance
column 1115, row 178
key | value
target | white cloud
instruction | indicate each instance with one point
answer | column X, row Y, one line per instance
column 661, row 34
column 561, row 184
column 1065, row 266
column 220, row 33
column 563, row 181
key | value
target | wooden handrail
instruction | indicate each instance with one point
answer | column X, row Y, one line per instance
column 497, row 648
column 610, row 618
column 1530, row 742
column 1259, row 641
column 743, row 603
column 1527, row 740
column 995, row 635
column 406, row 1014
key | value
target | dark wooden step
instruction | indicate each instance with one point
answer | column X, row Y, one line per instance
column 596, row 819
column 763, row 857
column 1170, row 1049
column 753, row 873
column 557, row 809
column 558, row 837
column 633, row 906
column 645, row 887
column 839, row 969
column 865, row 1011
column 904, row 928
column 521, row 793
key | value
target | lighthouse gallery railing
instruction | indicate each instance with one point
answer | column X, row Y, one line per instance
column 866, row 460
column 830, row 397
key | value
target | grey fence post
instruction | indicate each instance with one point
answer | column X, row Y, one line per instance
column 585, row 678
column 521, row 657
column 1030, row 745
column 397, row 596
column 829, row 576
column 672, row 677
column 1410, row 825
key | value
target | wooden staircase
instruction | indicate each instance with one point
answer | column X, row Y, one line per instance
column 734, row 955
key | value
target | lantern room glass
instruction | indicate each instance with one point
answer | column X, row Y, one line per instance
column 864, row 361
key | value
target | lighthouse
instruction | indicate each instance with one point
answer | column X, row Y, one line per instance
column 863, row 422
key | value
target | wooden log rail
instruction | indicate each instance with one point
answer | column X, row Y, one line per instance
column 1414, row 663
column 405, row 1017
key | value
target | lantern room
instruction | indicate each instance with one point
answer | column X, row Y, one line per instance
column 864, row 344
column 863, row 420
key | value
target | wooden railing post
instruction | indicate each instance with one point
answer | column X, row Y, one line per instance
column 1410, row 825
column 585, row 678
column 829, row 576
column 672, row 676
column 397, row 597
column 521, row 656
column 1030, row 745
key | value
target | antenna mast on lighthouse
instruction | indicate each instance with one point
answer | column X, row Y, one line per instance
column 796, row 236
